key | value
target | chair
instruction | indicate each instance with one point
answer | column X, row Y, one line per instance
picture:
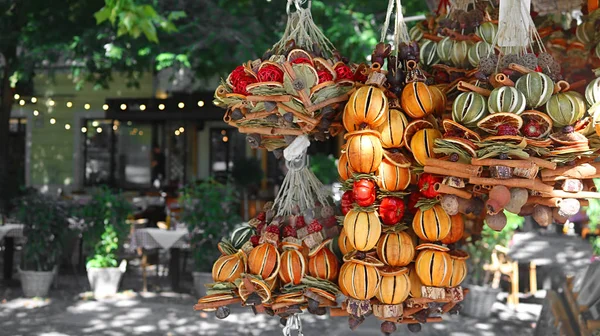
column 502, row 265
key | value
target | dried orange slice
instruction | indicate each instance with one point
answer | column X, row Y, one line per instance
column 569, row 138
column 397, row 158
column 539, row 143
column 536, row 125
column 467, row 145
column 322, row 65
column 260, row 288
column 412, row 128
column 454, row 129
column 215, row 298
column 299, row 53
column 505, row 138
column 585, row 126
column 323, row 293
column 570, row 150
column 490, row 123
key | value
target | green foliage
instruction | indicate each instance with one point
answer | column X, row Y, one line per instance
column 46, row 228
column 210, row 210
column 593, row 213
column 246, row 171
column 324, row 168
column 136, row 19
column 104, row 226
column 480, row 250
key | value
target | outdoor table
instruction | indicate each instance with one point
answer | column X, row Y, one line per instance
column 568, row 253
column 9, row 232
column 172, row 240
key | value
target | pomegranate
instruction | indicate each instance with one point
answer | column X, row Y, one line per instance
column 507, row 130
column 532, row 129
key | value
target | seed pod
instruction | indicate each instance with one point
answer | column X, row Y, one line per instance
column 450, row 204
column 569, row 207
column 518, row 198
column 496, row 222
column 537, row 88
column 542, row 215
column 506, row 99
column 469, row 108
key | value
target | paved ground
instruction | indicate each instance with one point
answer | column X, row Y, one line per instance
column 70, row 311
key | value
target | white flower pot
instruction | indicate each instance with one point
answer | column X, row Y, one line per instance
column 201, row 278
column 36, row 283
column 105, row 281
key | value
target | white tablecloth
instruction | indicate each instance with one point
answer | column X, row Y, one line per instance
column 11, row 230
column 151, row 238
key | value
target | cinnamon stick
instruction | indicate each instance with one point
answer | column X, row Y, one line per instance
column 589, row 185
column 257, row 115
column 581, row 171
column 579, row 84
column 446, row 189
column 561, row 86
column 504, row 80
column 283, row 98
column 445, row 172
column 429, row 320
column 512, row 183
column 339, row 99
column 469, row 169
column 543, row 163
column 257, row 130
column 468, row 87
column 432, row 37
column 287, row 67
column 312, row 121
column 552, row 202
column 524, row 164
column 216, row 304
column 287, row 131
column 519, row 68
column 581, row 194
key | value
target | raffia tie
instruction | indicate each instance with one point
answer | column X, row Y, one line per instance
column 302, row 29
column 293, row 323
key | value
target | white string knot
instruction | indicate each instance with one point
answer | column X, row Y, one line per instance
column 293, row 323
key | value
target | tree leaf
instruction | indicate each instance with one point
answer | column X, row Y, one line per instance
column 102, row 15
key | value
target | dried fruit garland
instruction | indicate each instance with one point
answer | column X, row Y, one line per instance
column 297, row 88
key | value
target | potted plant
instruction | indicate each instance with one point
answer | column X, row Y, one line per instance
column 482, row 294
column 210, row 209
column 104, row 230
column 46, row 227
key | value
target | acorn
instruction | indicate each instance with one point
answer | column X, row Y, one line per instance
column 270, row 106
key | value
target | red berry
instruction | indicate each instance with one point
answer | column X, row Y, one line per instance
column 347, row 202
column 254, row 240
column 300, row 223
column 427, row 183
column 391, row 210
column 289, row 231
column 315, row 226
column 364, row 192
column 330, row 222
column 260, row 227
column 507, row 130
column 532, row 129
column 261, row 216
column 273, row 229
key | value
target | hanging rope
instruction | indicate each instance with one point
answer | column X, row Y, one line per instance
column 400, row 29
column 293, row 323
column 302, row 29
column 300, row 187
